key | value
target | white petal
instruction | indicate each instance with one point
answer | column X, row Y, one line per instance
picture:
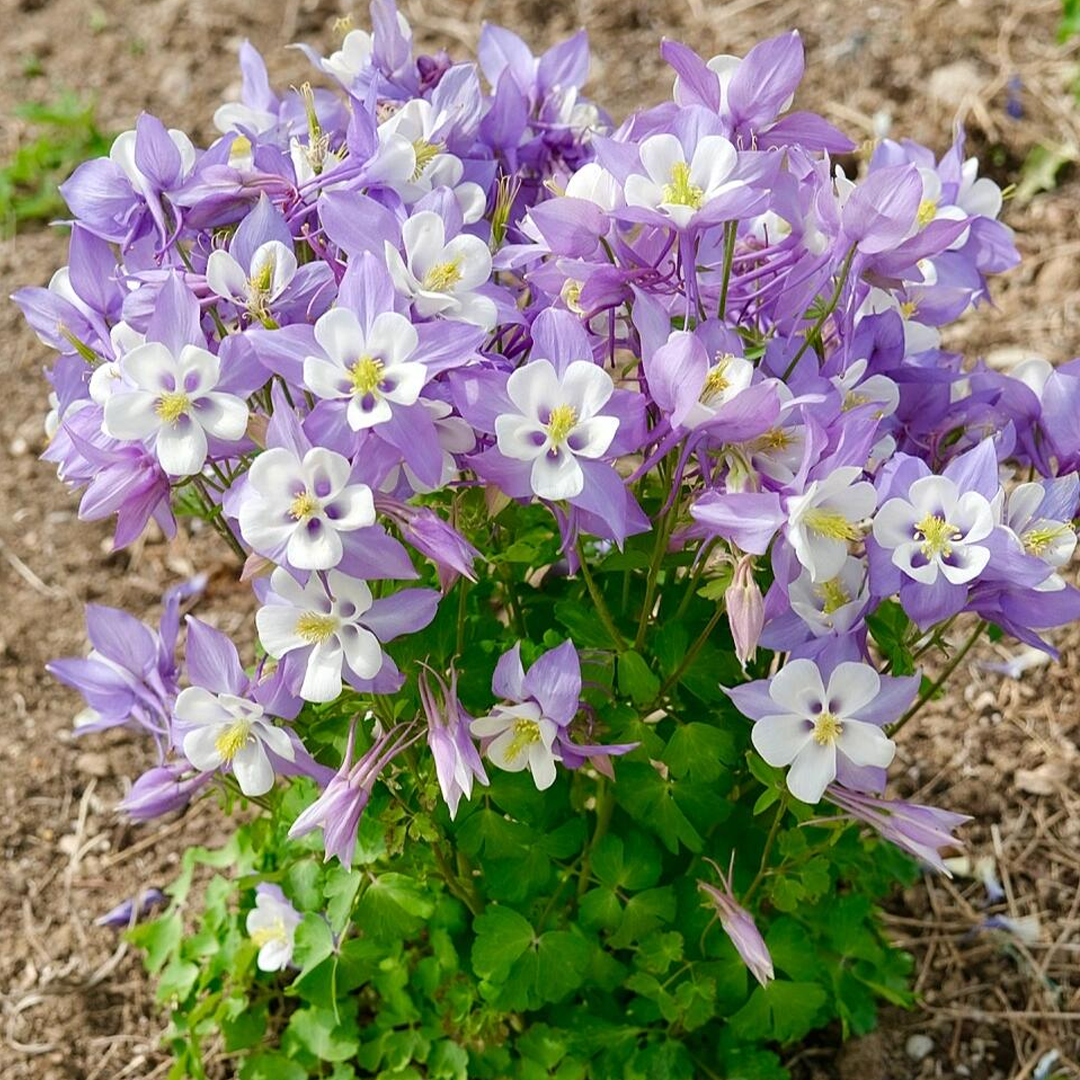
column 181, row 447
column 197, row 705
column 403, row 382
column 322, row 680
column 277, row 739
column 339, row 333
column 519, row 437
column 965, row 564
column 713, row 161
column 392, row 338
column 365, row 412
column 852, row 687
column 226, row 276
column 198, row 370
column 659, row 155
column 797, row 688
column 473, row 258
column 910, row 559
column 935, row 495
column 865, row 744
column 352, row 596
column 200, row 748
column 352, row 508
column 225, row 416
column 534, row 388
column 542, row 766
column 557, row 475
column 276, row 474
column 131, row 414
column 587, row 387
column 362, row 650
column 894, row 523
column 326, row 472
column 276, row 624
column 500, row 747
column 314, row 546
column 779, row 738
column 326, row 378
column 591, row 438
column 282, row 262
column 812, row 771
column 252, row 768
column 424, row 237
column 641, row 191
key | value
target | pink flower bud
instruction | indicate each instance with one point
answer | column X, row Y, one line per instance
column 746, row 610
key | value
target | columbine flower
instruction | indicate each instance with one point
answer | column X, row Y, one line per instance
column 174, row 403
column 132, row 909
column 231, row 732
column 558, row 423
column 371, row 371
column 1039, row 516
column 337, row 811
column 257, row 285
column 922, row 831
column 457, row 762
column 299, row 506
column 521, row 732
column 271, row 925
column 822, row 731
column 833, row 606
column 825, row 519
column 936, row 530
column 739, row 925
column 678, row 188
column 335, row 627
column 441, row 277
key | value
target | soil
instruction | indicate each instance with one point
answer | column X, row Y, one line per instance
column 1005, row 750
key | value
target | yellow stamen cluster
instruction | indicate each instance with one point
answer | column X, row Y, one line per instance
column 172, row 405
column 426, row 153
column 442, row 277
column 853, row 400
column 1037, row 540
column 679, row 191
column 926, row 213
column 366, row 375
column 233, row 739
column 831, row 524
column 303, row 506
column 315, row 628
column 259, row 289
column 834, row 595
column 265, row 934
column 827, row 729
column 571, row 295
column 773, row 439
column 937, row 536
column 562, row 421
column 716, row 381
column 526, row 734
column 908, row 308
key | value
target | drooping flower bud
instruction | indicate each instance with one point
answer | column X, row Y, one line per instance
column 161, row 790
column 746, row 610
column 739, row 926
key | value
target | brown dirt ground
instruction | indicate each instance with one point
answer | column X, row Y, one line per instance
column 75, row 1004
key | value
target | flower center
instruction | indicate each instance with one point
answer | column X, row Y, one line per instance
column 679, row 191
column 1038, row 539
column 827, row 729
column 233, row 739
column 937, row 536
column 526, row 734
column 315, row 628
column 571, row 295
column 853, row 400
column 926, row 213
column 831, row 524
column 716, row 382
column 833, row 595
column 304, row 506
column 366, row 375
column 426, row 153
column 442, row 277
column 259, row 288
column 265, row 934
column 562, row 421
column 172, row 405
column 774, row 439
column 908, row 308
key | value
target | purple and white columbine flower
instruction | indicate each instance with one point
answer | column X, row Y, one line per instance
column 1039, row 516
column 457, row 762
column 258, row 284
column 338, row 809
column 825, row 519
column 559, row 421
column 824, row 732
column 271, row 925
column 522, row 732
column 299, row 506
column 171, row 400
column 331, row 627
column 739, row 925
column 439, row 276
column 371, row 371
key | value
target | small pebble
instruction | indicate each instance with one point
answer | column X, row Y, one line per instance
column 919, row 1046
column 93, row 765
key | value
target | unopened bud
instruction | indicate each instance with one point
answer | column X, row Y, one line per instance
column 746, row 610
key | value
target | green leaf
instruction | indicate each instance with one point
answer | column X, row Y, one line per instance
column 341, row 888
column 780, row 1012
column 271, row 1066
column 160, row 938
column 502, row 935
column 650, row 800
column 393, row 905
column 600, row 909
column 320, row 1034
column 636, row 681
column 645, row 911
column 890, row 627
column 700, row 751
column 548, row 970
column 314, row 943
column 633, row 863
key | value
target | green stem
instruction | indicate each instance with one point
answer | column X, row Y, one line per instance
column 770, row 840
column 464, row 891
column 598, row 598
column 663, row 535
column 695, row 578
column 605, row 807
column 691, row 653
column 214, row 516
column 730, row 230
column 830, row 307
column 940, row 681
